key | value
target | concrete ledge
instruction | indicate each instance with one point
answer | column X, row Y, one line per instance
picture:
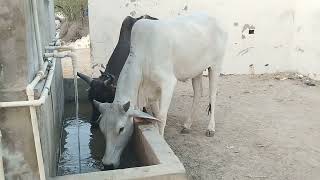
column 153, row 152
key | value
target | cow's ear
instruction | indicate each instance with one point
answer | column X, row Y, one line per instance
column 139, row 18
column 139, row 114
column 101, row 106
column 126, row 106
column 109, row 81
column 106, row 82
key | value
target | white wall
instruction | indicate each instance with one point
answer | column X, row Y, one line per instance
column 275, row 22
column 306, row 49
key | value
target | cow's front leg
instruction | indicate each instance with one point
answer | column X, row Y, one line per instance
column 94, row 119
column 155, row 107
column 167, row 90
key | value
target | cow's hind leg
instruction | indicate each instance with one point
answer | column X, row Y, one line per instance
column 213, row 87
column 197, row 88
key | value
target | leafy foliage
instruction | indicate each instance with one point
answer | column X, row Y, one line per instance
column 72, row 9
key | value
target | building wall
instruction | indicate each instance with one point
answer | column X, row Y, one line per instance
column 306, row 50
column 15, row 75
column 270, row 49
column 18, row 67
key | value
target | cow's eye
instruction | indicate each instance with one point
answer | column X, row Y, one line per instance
column 121, row 130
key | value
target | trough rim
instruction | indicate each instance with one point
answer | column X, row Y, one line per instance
column 169, row 163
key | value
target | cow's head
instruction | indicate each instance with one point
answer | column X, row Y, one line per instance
column 116, row 124
column 101, row 89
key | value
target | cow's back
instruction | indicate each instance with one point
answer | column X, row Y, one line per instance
column 185, row 45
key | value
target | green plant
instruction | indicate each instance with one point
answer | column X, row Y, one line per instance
column 72, row 9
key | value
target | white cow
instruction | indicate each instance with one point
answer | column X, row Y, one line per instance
column 162, row 52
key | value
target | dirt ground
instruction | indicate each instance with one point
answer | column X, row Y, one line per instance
column 73, row 30
column 267, row 127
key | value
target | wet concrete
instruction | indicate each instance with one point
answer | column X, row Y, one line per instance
column 91, row 143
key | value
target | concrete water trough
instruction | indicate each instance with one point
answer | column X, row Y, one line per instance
column 153, row 157
column 157, row 159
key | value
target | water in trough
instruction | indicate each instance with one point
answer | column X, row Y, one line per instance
column 84, row 155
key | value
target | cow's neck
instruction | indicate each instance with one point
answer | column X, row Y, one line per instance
column 129, row 82
column 125, row 34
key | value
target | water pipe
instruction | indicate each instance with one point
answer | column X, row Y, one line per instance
column 1, row 161
column 73, row 57
column 40, row 75
column 74, row 66
column 37, row 31
column 32, row 107
column 32, row 103
column 34, row 119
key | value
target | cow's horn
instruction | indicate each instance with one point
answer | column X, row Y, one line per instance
column 85, row 77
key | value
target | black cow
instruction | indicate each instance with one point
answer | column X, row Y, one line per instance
column 103, row 88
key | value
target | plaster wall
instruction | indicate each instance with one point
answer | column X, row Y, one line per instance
column 271, row 47
column 306, row 51
column 18, row 67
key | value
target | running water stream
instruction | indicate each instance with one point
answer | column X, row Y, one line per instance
column 76, row 99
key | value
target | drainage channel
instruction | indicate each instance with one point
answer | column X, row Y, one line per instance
column 91, row 145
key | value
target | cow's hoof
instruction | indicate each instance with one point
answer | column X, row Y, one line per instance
column 185, row 130
column 210, row 133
